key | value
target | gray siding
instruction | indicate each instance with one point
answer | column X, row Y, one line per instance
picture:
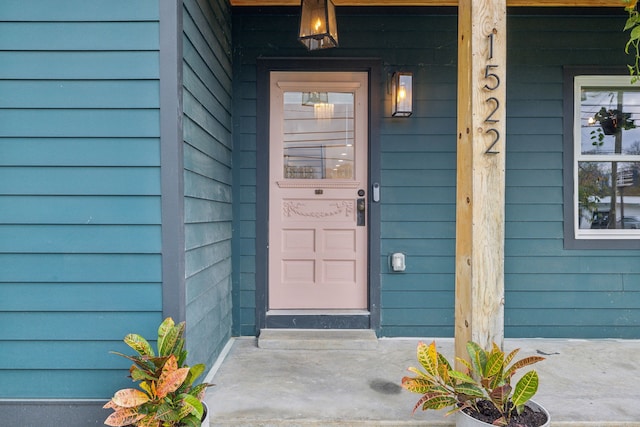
column 550, row 291
column 207, row 176
column 80, row 233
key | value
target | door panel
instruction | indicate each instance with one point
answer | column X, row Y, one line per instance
column 318, row 163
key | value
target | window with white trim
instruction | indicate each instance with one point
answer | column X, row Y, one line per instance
column 606, row 158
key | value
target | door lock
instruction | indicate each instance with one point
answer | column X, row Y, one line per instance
column 361, row 207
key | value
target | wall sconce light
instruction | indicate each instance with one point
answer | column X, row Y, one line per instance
column 402, row 94
column 318, row 28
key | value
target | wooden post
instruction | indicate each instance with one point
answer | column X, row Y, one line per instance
column 479, row 310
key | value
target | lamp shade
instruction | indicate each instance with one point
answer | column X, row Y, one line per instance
column 402, row 94
column 318, row 28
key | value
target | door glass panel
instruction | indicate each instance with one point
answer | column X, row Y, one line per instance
column 318, row 135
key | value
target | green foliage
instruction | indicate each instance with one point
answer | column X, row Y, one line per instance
column 168, row 396
column 488, row 377
column 592, row 185
column 633, row 44
column 597, row 137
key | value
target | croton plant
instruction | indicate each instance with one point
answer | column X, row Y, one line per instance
column 167, row 396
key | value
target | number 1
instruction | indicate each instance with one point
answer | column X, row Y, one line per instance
column 490, row 45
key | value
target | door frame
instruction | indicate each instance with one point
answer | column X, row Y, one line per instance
column 374, row 69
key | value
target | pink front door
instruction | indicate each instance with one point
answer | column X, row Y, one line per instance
column 317, row 191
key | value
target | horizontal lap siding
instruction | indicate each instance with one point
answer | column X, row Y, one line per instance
column 550, row 291
column 80, row 233
column 244, row 183
column 418, row 208
column 419, row 185
column 207, row 176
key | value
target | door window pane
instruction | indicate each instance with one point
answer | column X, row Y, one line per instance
column 318, row 135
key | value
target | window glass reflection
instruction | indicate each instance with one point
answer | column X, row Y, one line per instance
column 609, row 195
column 609, row 121
column 318, row 135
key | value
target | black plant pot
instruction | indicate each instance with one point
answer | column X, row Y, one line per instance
column 465, row 420
column 609, row 126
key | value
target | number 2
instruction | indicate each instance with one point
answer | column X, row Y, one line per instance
column 490, row 150
column 489, row 118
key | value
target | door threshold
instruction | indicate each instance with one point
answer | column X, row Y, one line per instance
column 318, row 319
column 316, row 312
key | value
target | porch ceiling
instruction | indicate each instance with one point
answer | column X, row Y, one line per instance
column 542, row 3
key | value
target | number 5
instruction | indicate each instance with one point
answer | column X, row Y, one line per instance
column 489, row 74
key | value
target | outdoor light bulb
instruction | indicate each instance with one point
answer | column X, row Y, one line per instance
column 402, row 92
column 318, row 25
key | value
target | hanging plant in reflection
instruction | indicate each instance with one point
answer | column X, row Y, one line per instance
column 613, row 121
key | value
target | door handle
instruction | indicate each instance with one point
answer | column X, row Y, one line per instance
column 361, row 207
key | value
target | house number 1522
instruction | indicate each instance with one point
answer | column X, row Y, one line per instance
column 492, row 84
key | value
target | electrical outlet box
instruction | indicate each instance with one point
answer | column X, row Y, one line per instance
column 398, row 262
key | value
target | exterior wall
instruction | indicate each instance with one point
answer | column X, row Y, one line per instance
column 550, row 291
column 89, row 250
column 80, row 233
column 89, row 145
column 554, row 292
column 207, row 176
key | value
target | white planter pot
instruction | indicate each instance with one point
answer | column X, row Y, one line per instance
column 464, row 420
column 206, row 419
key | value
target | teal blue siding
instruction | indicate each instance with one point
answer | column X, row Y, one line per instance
column 79, row 123
column 80, row 232
column 79, row 239
column 550, row 291
column 79, row 36
column 89, row 151
column 92, row 296
column 53, row 383
column 79, row 94
column 79, row 11
column 81, row 180
column 36, row 209
column 79, row 65
column 207, row 176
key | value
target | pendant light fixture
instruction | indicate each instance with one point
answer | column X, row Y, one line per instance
column 318, row 28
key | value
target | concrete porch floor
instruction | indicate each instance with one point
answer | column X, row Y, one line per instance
column 582, row 383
